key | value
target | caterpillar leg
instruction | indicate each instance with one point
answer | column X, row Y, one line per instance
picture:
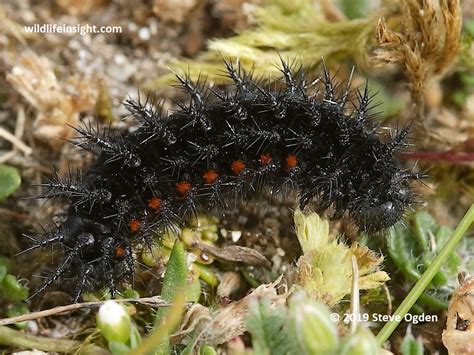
column 84, row 241
column 84, row 279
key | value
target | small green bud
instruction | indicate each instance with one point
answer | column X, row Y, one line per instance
column 210, row 234
column 361, row 342
column 13, row 290
column 168, row 239
column 207, row 350
column 311, row 326
column 207, row 274
column 193, row 289
column 190, row 237
column 114, row 322
column 129, row 293
column 154, row 255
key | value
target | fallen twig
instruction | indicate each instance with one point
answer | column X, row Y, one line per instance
column 15, row 139
column 154, row 301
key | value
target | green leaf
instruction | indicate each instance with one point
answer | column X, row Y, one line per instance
column 411, row 346
column 467, row 78
column 401, row 249
column 13, row 290
column 3, row 273
column 175, row 280
column 355, row 8
column 130, row 293
column 267, row 327
column 412, row 249
column 135, row 337
column 414, row 245
column 6, row 262
column 459, row 97
column 117, row 348
column 10, row 180
column 193, row 291
column 207, row 274
column 424, row 282
column 468, row 27
column 207, row 350
column 424, row 226
column 176, row 274
column 433, row 302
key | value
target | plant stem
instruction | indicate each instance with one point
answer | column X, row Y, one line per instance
column 163, row 330
column 426, row 278
column 15, row 338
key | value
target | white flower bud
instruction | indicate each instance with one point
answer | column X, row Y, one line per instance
column 114, row 322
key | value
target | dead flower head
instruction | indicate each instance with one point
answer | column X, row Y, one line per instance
column 57, row 103
column 427, row 43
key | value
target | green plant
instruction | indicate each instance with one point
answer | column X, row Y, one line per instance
column 414, row 245
column 175, row 280
column 295, row 29
column 268, row 329
column 305, row 327
column 410, row 345
column 13, row 292
column 10, row 180
column 427, row 276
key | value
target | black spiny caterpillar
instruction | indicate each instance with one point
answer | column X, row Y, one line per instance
column 221, row 146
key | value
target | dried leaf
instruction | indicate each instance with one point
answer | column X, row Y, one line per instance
column 230, row 283
column 458, row 336
column 236, row 253
column 224, row 324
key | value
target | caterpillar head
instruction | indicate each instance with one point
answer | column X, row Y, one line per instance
column 384, row 207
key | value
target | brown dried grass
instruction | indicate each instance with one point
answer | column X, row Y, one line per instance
column 427, row 43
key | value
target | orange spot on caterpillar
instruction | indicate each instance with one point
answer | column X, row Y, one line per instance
column 183, row 187
column 291, row 161
column 154, row 203
column 134, row 225
column 237, row 166
column 265, row 159
column 210, row 176
column 120, row 251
